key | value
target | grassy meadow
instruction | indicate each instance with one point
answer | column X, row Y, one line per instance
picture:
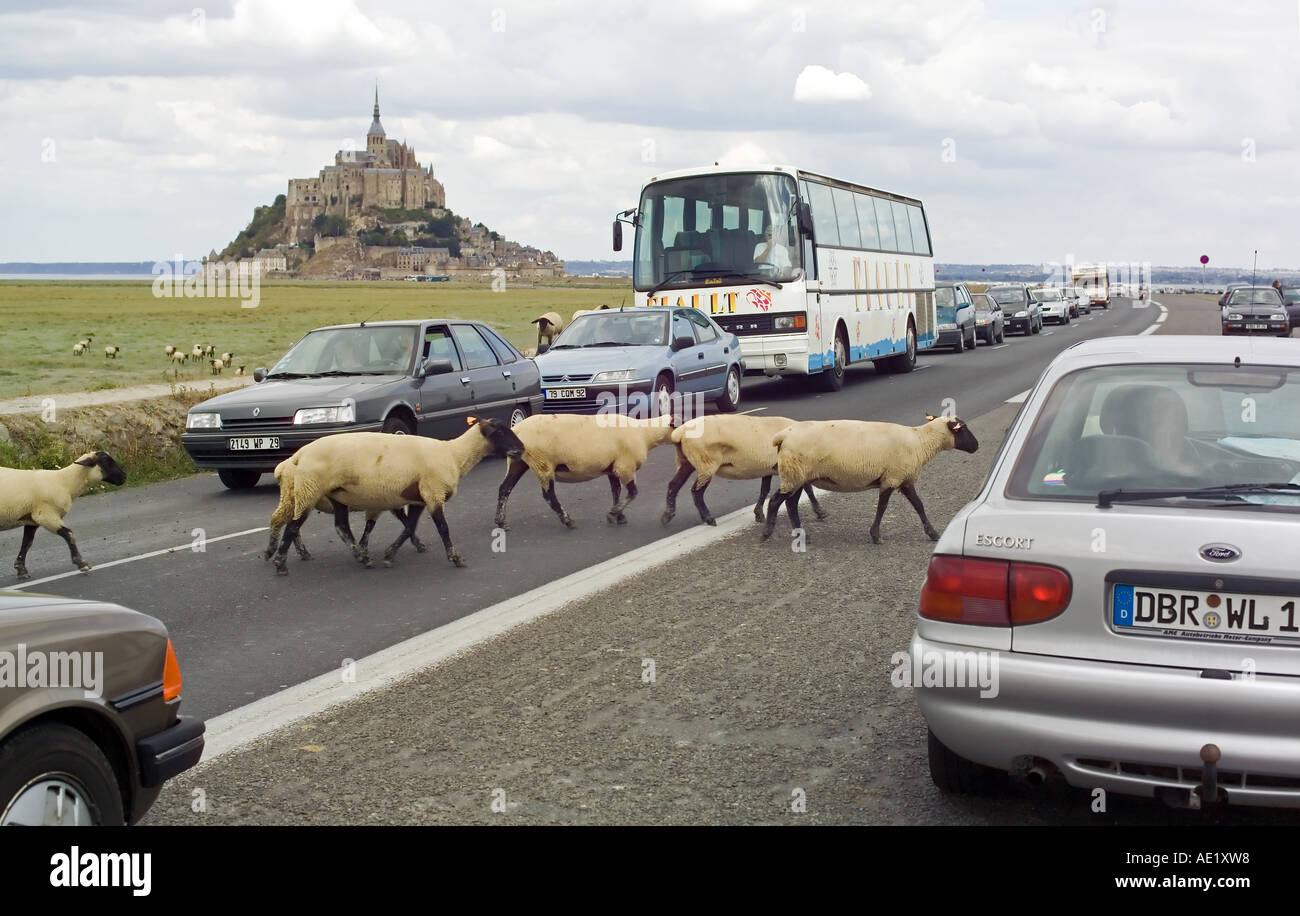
column 41, row 320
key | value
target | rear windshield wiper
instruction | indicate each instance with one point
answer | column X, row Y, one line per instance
column 1106, row 498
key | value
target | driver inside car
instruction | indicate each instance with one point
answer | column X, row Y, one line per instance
column 772, row 251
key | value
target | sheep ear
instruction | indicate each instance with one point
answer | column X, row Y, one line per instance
column 929, row 416
column 955, row 425
column 470, row 421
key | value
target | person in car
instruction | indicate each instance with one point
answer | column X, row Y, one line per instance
column 770, row 251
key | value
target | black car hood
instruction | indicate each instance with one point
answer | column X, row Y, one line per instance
column 281, row 397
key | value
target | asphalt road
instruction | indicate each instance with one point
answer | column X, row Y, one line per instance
column 242, row 633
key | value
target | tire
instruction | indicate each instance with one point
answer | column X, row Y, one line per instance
column 833, row 379
column 50, row 758
column 905, row 361
column 1002, row 334
column 973, row 345
column 239, row 478
column 960, row 345
column 663, row 389
column 959, row 776
column 518, row 415
column 730, row 399
column 397, row 425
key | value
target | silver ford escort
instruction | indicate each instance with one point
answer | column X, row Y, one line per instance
column 1125, row 586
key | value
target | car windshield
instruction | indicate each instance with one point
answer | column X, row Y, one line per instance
column 1253, row 297
column 1184, row 427
column 610, row 328
column 982, row 302
column 717, row 226
column 1008, row 295
column 378, row 350
column 1046, row 295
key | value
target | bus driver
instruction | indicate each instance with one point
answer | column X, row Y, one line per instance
column 772, row 252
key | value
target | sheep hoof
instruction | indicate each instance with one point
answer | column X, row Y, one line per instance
column 501, row 523
column 758, row 516
column 457, row 561
column 764, row 536
column 666, row 518
column 84, row 566
column 875, row 537
column 711, row 521
column 568, row 522
column 822, row 516
column 420, row 548
column 281, row 570
column 24, row 574
column 932, row 534
column 388, row 564
column 304, row 555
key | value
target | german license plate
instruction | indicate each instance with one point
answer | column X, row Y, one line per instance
column 1206, row 615
column 254, row 443
column 1256, row 327
column 565, row 394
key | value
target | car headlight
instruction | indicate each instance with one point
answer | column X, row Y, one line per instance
column 1234, row 316
column 203, row 421
column 346, row 413
column 1023, row 313
column 614, row 375
column 1279, row 317
column 947, row 327
column 789, row 323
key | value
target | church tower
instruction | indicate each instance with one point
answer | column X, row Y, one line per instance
column 376, row 142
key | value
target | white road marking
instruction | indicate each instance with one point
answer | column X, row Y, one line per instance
column 1001, row 346
column 144, row 556
column 753, row 410
column 1019, row 398
column 240, row 727
column 1047, row 333
column 1164, row 313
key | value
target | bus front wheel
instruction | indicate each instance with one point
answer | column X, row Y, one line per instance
column 832, row 379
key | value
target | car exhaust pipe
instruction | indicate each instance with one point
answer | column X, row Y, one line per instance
column 1207, row 793
column 1036, row 771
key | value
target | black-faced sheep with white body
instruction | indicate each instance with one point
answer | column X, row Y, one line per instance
column 575, row 448
column 731, row 446
column 548, row 326
column 848, row 456
column 383, row 472
column 360, row 549
column 42, row 499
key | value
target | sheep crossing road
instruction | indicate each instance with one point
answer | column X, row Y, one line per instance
column 243, row 633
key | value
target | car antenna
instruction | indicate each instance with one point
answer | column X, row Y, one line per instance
column 371, row 315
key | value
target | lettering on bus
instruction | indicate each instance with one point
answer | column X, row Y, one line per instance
column 715, row 306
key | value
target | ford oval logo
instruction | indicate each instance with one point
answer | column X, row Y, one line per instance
column 1220, row 553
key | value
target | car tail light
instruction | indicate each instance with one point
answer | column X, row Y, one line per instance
column 171, row 675
column 992, row 592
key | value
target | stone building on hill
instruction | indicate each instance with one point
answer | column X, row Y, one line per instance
column 386, row 175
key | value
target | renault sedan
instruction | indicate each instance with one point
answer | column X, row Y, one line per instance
column 1128, row 577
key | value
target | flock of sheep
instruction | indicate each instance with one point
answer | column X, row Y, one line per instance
column 177, row 356
column 376, row 473
column 81, row 347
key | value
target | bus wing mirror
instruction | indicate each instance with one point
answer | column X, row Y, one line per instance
column 806, row 221
column 618, row 235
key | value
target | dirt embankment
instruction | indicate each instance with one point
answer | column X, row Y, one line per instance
column 143, row 436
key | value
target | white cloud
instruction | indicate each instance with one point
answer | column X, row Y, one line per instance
column 817, row 84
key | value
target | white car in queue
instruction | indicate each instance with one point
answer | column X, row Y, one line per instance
column 1129, row 575
column 1052, row 304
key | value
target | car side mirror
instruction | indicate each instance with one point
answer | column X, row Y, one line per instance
column 259, row 373
column 682, row 343
column 435, row 367
column 543, row 347
column 618, row 236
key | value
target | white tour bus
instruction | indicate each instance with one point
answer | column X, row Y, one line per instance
column 811, row 273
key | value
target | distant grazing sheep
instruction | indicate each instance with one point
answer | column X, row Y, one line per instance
column 239, row 370
column 78, row 349
column 43, row 498
column 196, row 352
column 178, row 357
column 731, row 446
column 849, row 456
column 226, row 358
column 384, row 472
column 217, row 366
column 574, row 448
column 169, row 350
column 111, row 352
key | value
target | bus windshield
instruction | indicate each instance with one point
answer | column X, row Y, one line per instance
column 734, row 226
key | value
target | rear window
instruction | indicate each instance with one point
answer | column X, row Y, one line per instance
column 1008, row 295
column 1164, row 426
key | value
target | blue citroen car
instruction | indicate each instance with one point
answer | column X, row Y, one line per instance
column 638, row 359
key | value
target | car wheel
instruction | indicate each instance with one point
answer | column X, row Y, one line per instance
column 518, row 415
column 1002, row 333
column 239, row 478
column 833, row 379
column 397, row 425
column 972, row 337
column 730, row 399
column 663, row 394
column 960, row 345
column 959, row 776
column 53, row 775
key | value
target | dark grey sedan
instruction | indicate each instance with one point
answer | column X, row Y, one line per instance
column 1255, row 310
column 89, row 723
column 405, row 377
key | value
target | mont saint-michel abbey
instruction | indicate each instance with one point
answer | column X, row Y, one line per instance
column 386, row 174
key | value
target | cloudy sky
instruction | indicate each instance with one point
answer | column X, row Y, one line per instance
column 1121, row 131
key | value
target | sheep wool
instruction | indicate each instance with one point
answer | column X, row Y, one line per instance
column 575, row 448
column 731, row 446
column 40, row 498
column 849, row 456
column 380, row 471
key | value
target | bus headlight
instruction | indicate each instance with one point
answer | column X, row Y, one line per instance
column 789, row 323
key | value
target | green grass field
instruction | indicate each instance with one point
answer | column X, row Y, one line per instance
column 41, row 320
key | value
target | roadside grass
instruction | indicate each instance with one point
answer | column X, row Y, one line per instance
column 41, row 320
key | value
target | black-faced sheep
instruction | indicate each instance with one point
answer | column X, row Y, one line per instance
column 731, row 446
column 548, row 326
column 381, row 471
column 849, row 456
column 43, row 498
column 574, row 448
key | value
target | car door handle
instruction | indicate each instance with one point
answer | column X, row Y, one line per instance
column 465, row 380
column 506, row 373
column 701, row 356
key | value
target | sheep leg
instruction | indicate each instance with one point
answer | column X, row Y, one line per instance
column 20, row 565
column 515, row 470
column 792, row 509
column 410, row 520
column 66, row 533
column 401, row 517
column 773, row 507
column 554, row 501
column 909, row 490
column 344, row 527
column 440, row 522
column 616, row 489
column 290, row 535
column 817, row 507
column 616, row 514
column 885, row 493
column 762, row 495
column 684, row 470
column 364, row 543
